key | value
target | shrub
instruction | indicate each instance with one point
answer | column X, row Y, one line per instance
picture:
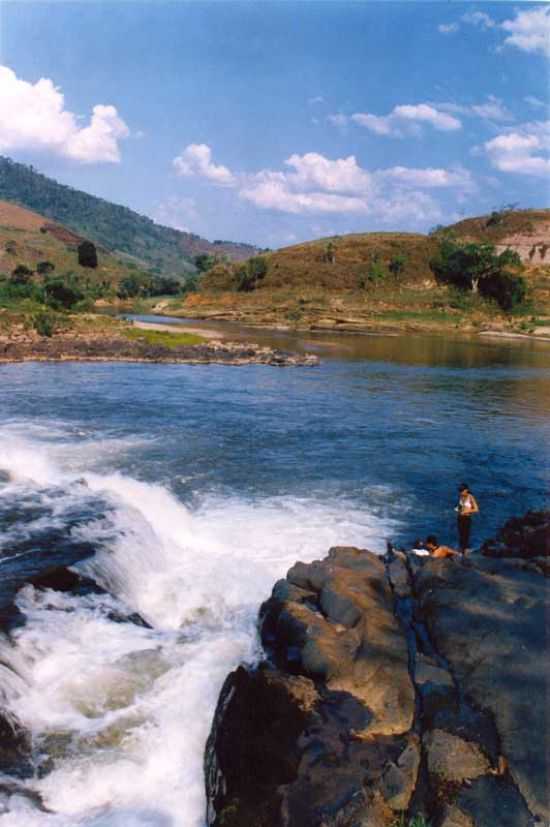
column 10, row 247
column 59, row 293
column 43, row 268
column 12, row 293
column 21, row 275
column 329, row 254
column 376, row 272
column 397, row 264
column 507, row 290
column 45, row 323
column 87, row 254
column 250, row 273
column 499, row 216
column 129, row 287
column 204, row 261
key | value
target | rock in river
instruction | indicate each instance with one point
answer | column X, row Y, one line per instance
column 392, row 687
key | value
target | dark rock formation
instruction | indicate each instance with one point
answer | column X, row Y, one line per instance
column 392, row 687
column 15, row 747
column 87, row 348
column 527, row 536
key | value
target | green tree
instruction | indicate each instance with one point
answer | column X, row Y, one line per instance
column 87, row 254
column 479, row 268
column 191, row 284
column 164, row 286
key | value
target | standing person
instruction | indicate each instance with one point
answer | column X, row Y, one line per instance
column 466, row 508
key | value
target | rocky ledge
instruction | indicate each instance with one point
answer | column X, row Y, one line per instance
column 118, row 349
column 393, row 689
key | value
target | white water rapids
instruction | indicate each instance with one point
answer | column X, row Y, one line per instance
column 120, row 713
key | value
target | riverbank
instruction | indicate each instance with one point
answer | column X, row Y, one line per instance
column 393, row 689
column 432, row 310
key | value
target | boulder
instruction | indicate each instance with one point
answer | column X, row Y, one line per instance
column 527, row 536
column 488, row 621
column 338, row 626
column 452, row 758
column 319, row 737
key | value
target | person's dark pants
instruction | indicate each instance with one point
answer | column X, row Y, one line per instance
column 464, row 529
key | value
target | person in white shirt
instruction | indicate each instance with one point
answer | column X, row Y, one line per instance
column 466, row 508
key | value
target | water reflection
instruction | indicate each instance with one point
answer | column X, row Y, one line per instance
column 408, row 349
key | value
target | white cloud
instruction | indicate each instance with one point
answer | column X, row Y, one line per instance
column 492, row 109
column 337, row 120
column 529, row 31
column 536, row 103
column 380, row 124
column 312, row 171
column 33, row 117
column 524, row 150
column 406, row 119
column 478, row 18
column 425, row 113
column 276, row 191
column 448, row 28
column 314, row 184
column 196, row 160
column 316, row 100
column 431, row 177
column 99, row 140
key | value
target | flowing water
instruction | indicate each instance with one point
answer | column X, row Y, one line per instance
column 185, row 492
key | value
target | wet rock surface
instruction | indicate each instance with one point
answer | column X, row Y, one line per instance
column 393, row 687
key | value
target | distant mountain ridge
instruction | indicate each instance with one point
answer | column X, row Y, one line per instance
column 115, row 227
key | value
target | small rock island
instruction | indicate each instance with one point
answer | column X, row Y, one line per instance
column 394, row 691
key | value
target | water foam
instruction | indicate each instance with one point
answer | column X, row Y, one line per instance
column 122, row 712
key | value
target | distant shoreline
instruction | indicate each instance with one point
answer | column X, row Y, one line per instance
column 338, row 328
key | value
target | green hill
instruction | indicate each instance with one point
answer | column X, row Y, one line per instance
column 360, row 281
column 117, row 228
column 27, row 238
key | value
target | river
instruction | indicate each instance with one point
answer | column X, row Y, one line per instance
column 185, row 492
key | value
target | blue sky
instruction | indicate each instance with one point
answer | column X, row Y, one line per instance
column 278, row 122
